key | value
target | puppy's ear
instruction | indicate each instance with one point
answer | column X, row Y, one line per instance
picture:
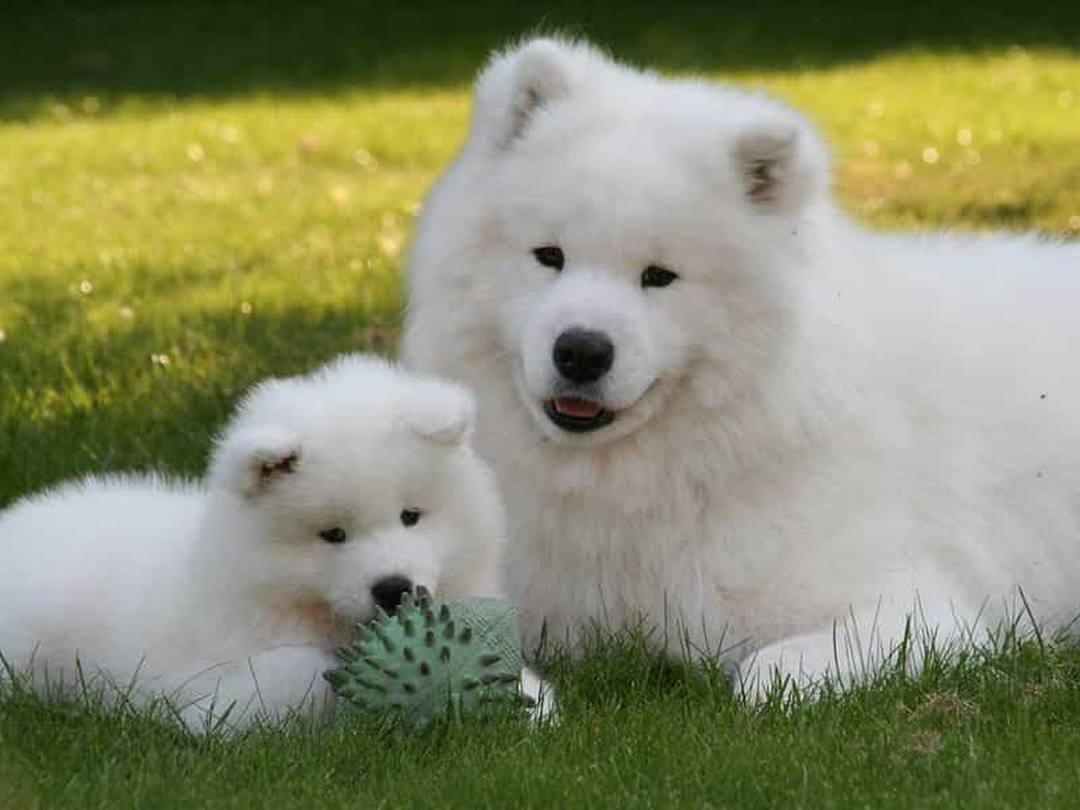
column 252, row 460
column 781, row 164
column 519, row 82
column 441, row 412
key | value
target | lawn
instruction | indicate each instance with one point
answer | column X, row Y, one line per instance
column 194, row 196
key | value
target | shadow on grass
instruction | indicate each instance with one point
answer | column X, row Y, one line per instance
column 118, row 48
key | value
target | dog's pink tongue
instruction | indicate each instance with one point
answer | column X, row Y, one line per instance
column 578, row 408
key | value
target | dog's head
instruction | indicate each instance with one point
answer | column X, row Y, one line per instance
column 627, row 230
column 358, row 485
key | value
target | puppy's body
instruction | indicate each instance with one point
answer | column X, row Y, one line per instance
column 234, row 593
column 813, row 430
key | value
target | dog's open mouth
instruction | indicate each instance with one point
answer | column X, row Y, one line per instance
column 577, row 415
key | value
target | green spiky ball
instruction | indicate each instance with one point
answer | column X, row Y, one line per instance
column 433, row 659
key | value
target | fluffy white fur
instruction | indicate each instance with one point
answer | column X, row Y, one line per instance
column 224, row 594
column 820, row 431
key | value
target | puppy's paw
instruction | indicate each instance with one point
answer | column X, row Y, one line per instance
column 545, row 708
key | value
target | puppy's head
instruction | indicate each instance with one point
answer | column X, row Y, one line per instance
column 357, row 485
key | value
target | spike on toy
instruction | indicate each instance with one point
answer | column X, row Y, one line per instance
column 469, row 662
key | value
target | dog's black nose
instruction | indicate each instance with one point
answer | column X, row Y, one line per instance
column 387, row 592
column 582, row 355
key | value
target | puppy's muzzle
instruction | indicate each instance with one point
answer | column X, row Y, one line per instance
column 387, row 592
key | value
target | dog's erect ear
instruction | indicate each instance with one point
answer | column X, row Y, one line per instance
column 440, row 412
column 780, row 164
column 251, row 460
column 521, row 81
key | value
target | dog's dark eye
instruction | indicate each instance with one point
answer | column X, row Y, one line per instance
column 410, row 517
column 334, row 535
column 656, row 276
column 550, row 256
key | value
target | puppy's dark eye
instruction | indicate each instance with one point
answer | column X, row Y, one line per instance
column 334, row 535
column 656, row 276
column 410, row 517
column 550, row 256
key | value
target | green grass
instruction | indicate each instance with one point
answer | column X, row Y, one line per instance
column 999, row 730
column 194, row 196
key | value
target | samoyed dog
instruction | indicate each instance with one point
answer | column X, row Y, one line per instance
column 715, row 404
column 327, row 495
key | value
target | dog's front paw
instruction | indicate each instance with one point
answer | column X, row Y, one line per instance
column 544, row 708
column 796, row 665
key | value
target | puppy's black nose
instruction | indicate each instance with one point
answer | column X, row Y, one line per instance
column 387, row 592
column 582, row 355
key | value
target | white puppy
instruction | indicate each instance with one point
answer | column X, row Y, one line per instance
column 327, row 495
column 714, row 402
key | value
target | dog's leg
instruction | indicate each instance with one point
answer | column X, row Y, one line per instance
column 855, row 648
column 271, row 686
column 544, row 707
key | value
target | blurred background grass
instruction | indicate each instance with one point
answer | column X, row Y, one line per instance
column 205, row 48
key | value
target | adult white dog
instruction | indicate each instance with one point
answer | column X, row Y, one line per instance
column 328, row 495
column 711, row 398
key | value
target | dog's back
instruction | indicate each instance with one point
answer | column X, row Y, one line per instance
column 93, row 566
